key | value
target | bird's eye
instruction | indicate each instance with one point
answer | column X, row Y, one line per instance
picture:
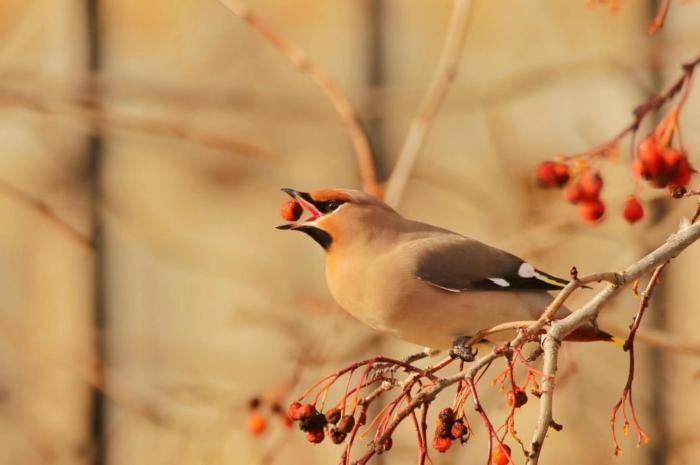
column 332, row 205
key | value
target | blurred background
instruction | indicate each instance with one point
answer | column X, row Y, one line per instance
column 146, row 296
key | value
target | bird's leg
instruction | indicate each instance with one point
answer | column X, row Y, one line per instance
column 463, row 350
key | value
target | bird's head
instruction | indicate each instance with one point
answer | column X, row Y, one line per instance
column 337, row 215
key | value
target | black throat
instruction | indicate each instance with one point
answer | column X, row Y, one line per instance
column 319, row 235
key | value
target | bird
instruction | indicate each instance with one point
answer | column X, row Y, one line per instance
column 418, row 282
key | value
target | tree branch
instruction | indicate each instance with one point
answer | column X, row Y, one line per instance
column 434, row 96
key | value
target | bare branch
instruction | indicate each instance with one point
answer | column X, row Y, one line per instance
column 329, row 86
column 444, row 75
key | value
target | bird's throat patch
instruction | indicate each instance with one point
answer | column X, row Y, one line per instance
column 319, row 235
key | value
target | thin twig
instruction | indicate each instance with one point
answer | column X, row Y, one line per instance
column 329, row 86
column 660, row 17
column 433, row 98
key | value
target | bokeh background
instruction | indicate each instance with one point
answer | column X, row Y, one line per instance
column 160, row 133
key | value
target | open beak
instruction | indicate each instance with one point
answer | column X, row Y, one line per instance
column 305, row 200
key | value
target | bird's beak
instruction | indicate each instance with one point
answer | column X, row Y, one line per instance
column 307, row 202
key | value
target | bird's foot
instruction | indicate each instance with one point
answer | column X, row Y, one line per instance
column 461, row 351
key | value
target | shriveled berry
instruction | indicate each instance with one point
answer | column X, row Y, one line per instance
column 316, row 421
column 305, row 411
column 552, row 174
column 447, row 415
column 293, row 410
column 501, row 455
column 442, row 429
column 590, row 185
column 256, row 423
column 337, row 436
column 633, row 210
column 333, row 415
column 593, row 211
column 441, row 444
column 388, row 444
column 346, row 424
column 458, row 429
column 517, row 399
column 292, row 210
column 315, row 436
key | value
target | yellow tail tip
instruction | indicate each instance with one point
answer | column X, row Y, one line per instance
column 618, row 341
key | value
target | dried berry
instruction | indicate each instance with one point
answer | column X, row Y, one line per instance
column 593, row 211
column 333, row 415
column 315, row 436
column 517, row 399
column 346, row 424
column 256, row 423
column 447, row 415
column 633, row 210
column 293, row 411
column 316, row 421
column 458, row 429
column 501, row 455
column 292, row 210
column 305, row 411
column 336, row 436
column 441, row 444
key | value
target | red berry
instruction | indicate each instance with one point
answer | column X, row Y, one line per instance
column 590, row 185
column 441, row 444
column 286, row 421
column 592, row 211
column 572, row 193
column 293, row 411
column 501, row 455
column 291, row 210
column 640, row 170
column 679, row 169
column 517, row 398
column 633, row 210
column 256, row 423
column 650, row 156
column 458, row 429
column 305, row 411
column 315, row 436
column 552, row 174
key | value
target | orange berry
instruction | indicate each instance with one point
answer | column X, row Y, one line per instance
column 458, row 429
column 315, row 436
column 501, row 455
column 552, row 174
column 590, row 185
column 305, row 411
column 592, row 211
column 648, row 153
column 572, row 193
column 441, row 444
column 256, row 423
column 293, row 410
column 633, row 210
column 291, row 210
column 517, row 398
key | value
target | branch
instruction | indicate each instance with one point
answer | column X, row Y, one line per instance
column 329, row 86
column 433, row 98
column 588, row 312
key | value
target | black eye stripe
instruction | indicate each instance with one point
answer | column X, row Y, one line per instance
column 328, row 206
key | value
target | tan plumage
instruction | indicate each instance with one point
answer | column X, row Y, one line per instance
column 421, row 283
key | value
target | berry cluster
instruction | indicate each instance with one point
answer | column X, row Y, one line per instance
column 447, row 429
column 317, row 425
column 655, row 161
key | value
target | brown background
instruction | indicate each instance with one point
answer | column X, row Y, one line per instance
column 195, row 303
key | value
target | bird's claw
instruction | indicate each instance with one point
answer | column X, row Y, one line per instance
column 463, row 352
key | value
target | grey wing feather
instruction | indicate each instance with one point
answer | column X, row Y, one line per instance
column 457, row 263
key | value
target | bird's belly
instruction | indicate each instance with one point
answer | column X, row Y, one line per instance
column 436, row 319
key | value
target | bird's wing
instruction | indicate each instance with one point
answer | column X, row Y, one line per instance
column 456, row 263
